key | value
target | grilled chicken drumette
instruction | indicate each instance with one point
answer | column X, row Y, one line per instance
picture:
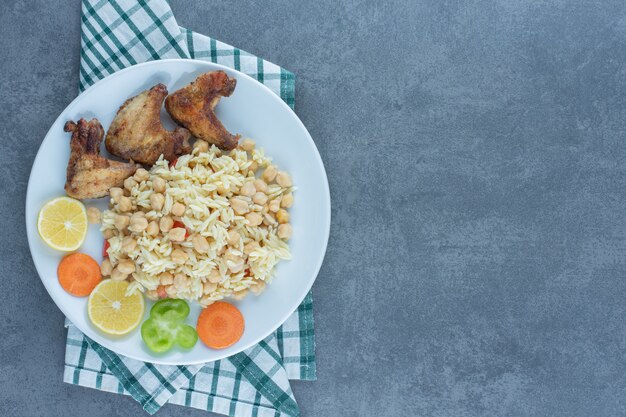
column 89, row 174
column 192, row 107
column 137, row 133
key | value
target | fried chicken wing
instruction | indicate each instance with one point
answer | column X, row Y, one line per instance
column 89, row 174
column 192, row 107
column 137, row 133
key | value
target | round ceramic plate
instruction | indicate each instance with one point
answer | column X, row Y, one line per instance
column 253, row 111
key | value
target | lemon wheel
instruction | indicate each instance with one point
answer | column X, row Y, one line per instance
column 112, row 311
column 62, row 223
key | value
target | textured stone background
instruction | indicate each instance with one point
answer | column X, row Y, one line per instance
column 475, row 152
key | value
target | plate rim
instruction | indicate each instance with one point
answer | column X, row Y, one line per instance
column 317, row 157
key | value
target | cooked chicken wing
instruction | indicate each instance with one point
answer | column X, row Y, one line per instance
column 89, row 174
column 192, row 106
column 137, row 133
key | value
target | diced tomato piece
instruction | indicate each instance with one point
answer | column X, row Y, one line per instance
column 173, row 163
column 161, row 291
column 181, row 224
column 105, row 249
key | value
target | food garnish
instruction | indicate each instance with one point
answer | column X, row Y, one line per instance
column 136, row 131
column 62, row 223
column 89, row 174
column 111, row 310
column 220, row 325
column 165, row 327
column 79, row 274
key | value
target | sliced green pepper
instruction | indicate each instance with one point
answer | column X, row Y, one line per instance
column 166, row 326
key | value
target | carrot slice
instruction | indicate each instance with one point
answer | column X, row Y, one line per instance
column 79, row 274
column 220, row 325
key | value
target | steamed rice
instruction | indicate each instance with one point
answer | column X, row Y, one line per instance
column 194, row 181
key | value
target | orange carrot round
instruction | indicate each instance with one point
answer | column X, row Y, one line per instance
column 79, row 274
column 220, row 325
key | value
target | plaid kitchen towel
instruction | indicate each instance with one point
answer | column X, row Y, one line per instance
column 117, row 34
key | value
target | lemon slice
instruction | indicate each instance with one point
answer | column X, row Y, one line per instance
column 111, row 310
column 62, row 223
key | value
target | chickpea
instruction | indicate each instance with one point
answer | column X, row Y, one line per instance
column 108, row 234
column 171, row 291
column 283, row 179
column 165, row 224
column 233, row 237
column 253, row 167
column 254, row 219
column 153, row 228
column 260, row 198
column 236, row 265
column 126, row 266
column 287, row 200
column 121, row 221
column 247, row 145
column 156, row 201
column 115, row 193
column 93, row 215
column 282, row 216
column 269, row 219
column 124, row 204
column 177, row 234
column 247, row 189
column 201, row 146
column 214, row 276
column 274, row 205
column 261, row 185
column 258, row 287
column 251, row 247
column 158, row 185
column 106, row 267
column 180, row 281
column 233, row 260
column 239, row 206
column 179, row 256
column 209, row 287
column 129, row 244
column 178, row 209
column 166, row 278
column 285, row 231
column 270, row 173
column 141, row 175
column 138, row 223
column 117, row 275
column 200, row 244
column 231, row 254
column 129, row 183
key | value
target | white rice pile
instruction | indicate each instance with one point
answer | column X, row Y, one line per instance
column 194, row 181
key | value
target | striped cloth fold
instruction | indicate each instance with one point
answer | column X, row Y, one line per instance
column 117, row 34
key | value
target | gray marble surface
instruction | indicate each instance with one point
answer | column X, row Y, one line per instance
column 476, row 158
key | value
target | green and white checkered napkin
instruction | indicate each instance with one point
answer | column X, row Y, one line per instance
column 117, row 34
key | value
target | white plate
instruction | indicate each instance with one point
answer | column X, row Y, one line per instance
column 253, row 111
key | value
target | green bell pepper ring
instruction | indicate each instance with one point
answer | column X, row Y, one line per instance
column 165, row 327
